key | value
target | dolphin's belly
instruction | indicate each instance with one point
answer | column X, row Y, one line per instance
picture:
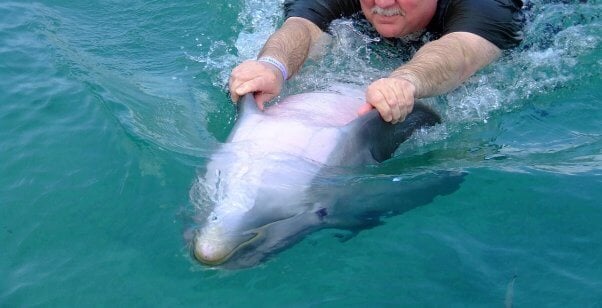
column 286, row 137
column 319, row 109
column 307, row 126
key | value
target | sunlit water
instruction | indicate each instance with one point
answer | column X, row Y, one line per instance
column 109, row 112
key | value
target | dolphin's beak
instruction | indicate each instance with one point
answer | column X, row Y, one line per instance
column 216, row 250
column 209, row 254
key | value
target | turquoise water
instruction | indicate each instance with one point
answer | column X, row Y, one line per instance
column 109, row 112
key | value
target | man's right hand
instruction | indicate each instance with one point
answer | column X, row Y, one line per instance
column 263, row 79
column 392, row 97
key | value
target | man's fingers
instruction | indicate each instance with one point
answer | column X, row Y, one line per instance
column 377, row 98
column 384, row 109
column 395, row 101
column 249, row 86
column 246, row 87
column 261, row 98
column 392, row 98
column 238, row 91
column 234, row 97
column 255, row 77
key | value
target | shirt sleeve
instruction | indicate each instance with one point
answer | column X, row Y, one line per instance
column 321, row 12
column 498, row 21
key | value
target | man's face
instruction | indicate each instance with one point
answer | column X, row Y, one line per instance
column 396, row 18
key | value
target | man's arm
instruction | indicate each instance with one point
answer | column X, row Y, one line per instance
column 438, row 67
column 289, row 45
column 442, row 65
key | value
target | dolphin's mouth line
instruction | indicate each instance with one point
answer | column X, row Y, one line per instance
column 226, row 257
column 259, row 232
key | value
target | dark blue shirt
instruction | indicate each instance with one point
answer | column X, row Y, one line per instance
column 498, row 21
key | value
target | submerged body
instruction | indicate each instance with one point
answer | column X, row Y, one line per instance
column 269, row 183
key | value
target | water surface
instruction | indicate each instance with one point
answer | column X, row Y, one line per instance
column 109, row 111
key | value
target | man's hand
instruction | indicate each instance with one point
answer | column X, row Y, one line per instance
column 260, row 78
column 392, row 97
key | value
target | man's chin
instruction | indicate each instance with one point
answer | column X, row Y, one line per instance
column 389, row 30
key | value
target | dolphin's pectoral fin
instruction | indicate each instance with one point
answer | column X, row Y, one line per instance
column 384, row 137
column 351, row 226
column 344, row 237
column 247, row 104
column 365, row 222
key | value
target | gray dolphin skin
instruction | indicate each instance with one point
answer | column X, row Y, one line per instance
column 280, row 176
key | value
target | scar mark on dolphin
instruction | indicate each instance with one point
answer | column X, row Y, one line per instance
column 322, row 213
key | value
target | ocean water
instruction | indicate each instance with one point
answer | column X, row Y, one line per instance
column 109, row 112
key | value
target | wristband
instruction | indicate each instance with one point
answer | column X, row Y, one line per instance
column 277, row 64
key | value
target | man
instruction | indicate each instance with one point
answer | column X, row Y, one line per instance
column 471, row 34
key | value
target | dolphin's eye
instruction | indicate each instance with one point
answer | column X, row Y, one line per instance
column 213, row 218
column 322, row 213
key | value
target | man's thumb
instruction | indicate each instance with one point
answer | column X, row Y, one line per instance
column 365, row 108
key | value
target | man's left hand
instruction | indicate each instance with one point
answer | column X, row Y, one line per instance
column 392, row 97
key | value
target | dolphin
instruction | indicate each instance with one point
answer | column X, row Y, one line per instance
column 280, row 175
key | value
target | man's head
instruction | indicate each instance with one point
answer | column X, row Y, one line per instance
column 396, row 18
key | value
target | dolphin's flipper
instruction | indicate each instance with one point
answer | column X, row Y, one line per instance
column 344, row 237
column 384, row 137
column 247, row 104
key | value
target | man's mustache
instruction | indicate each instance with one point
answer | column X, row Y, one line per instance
column 387, row 12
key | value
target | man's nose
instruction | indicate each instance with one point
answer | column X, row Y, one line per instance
column 384, row 3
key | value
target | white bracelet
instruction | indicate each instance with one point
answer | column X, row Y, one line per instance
column 277, row 64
